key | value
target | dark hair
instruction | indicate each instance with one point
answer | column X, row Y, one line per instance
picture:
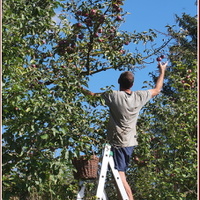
column 126, row 80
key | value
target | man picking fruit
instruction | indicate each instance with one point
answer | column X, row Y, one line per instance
column 125, row 106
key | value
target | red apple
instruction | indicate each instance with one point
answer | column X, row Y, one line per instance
column 93, row 12
column 122, row 51
column 118, row 18
column 88, row 21
column 69, row 50
column 73, row 44
column 126, row 43
column 63, row 42
column 34, row 66
column 119, row 2
column 182, row 81
column 136, row 159
column 112, row 30
column 85, row 14
column 16, row 108
column 100, row 40
column 80, row 36
column 115, row 6
column 118, row 9
column 111, row 37
column 102, row 18
column 79, row 12
column 96, row 35
column 79, row 25
column 172, row 175
column 100, row 30
column 162, row 56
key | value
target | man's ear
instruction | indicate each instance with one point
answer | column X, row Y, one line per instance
column 119, row 80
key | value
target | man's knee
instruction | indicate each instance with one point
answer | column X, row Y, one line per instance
column 123, row 178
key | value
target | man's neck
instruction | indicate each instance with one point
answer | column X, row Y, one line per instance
column 126, row 90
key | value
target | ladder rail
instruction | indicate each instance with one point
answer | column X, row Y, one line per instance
column 80, row 194
column 103, row 173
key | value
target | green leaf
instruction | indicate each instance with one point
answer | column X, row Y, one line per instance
column 45, row 136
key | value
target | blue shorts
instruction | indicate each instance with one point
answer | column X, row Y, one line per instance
column 121, row 156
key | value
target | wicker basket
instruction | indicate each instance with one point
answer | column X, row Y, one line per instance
column 86, row 167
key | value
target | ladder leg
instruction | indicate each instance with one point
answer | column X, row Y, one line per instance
column 102, row 176
column 118, row 179
column 104, row 197
column 80, row 194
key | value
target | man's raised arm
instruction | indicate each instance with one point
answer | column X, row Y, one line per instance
column 159, row 83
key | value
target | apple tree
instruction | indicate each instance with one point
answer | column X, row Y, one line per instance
column 46, row 118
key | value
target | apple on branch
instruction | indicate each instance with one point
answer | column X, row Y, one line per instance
column 80, row 36
column 126, row 43
column 93, row 12
column 119, row 18
column 102, row 18
column 100, row 30
column 88, row 21
column 100, row 40
column 96, row 35
column 79, row 25
column 79, row 12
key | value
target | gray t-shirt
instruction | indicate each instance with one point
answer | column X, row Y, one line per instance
column 124, row 111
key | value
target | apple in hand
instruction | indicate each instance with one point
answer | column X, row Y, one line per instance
column 159, row 59
column 162, row 56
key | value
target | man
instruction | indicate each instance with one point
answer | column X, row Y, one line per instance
column 125, row 106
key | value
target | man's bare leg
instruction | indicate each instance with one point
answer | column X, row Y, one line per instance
column 126, row 185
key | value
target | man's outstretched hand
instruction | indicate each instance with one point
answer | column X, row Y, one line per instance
column 162, row 66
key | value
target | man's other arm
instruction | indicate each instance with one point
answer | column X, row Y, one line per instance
column 89, row 93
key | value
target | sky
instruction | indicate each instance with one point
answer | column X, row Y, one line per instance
column 144, row 15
